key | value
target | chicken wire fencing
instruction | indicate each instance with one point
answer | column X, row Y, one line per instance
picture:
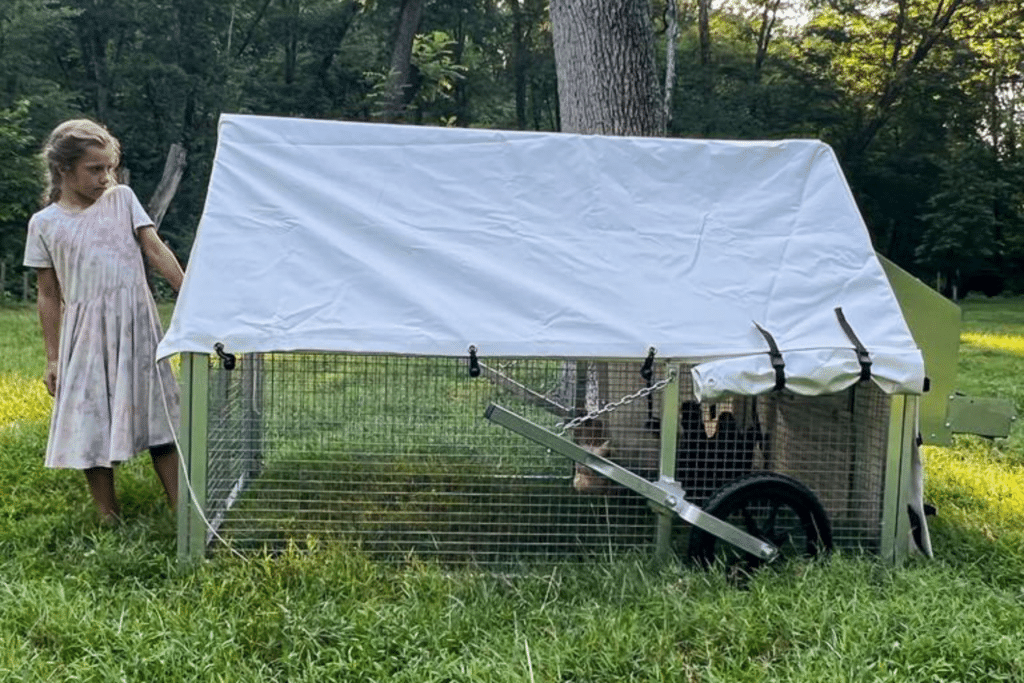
column 392, row 455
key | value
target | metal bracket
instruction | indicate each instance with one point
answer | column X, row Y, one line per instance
column 989, row 417
column 664, row 492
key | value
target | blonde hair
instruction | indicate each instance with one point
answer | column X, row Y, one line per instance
column 67, row 144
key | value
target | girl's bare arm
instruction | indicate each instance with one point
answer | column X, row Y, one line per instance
column 49, row 301
column 160, row 258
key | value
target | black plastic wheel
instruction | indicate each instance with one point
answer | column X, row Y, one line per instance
column 770, row 506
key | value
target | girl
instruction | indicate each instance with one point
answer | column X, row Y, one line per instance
column 87, row 244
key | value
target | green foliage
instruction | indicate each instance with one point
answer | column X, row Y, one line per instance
column 912, row 95
column 963, row 226
column 21, row 184
column 433, row 58
column 21, row 174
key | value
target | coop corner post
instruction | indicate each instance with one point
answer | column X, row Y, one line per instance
column 195, row 382
column 895, row 542
column 667, row 466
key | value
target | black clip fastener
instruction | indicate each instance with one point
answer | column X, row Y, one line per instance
column 474, row 364
column 227, row 359
column 777, row 362
column 863, row 357
column 647, row 371
column 652, row 424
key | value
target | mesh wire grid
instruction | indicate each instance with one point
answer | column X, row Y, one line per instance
column 392, row 454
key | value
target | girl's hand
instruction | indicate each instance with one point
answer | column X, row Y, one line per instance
column 50, row 377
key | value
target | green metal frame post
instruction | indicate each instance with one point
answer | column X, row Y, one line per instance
column 664, row 518
column 895, row 522
column 195, row 384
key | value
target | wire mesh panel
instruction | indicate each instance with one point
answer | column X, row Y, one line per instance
column 235, row 436
column 392, row 454
column 836, row 445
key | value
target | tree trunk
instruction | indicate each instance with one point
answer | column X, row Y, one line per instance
column 1011, row 115
column 671, row 36
column 396, row 95
column 337, row 34
column 607, row 85
column 704, row 30
column 461, row 93
column 174, row 168
column 291, row 10
column 252, row 28
column 604, row 59
column 519, row 62
column 93, row 38
column 769, row 15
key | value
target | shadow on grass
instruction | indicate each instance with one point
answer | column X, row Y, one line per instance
column 995, row 557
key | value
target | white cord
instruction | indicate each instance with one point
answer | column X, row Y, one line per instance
column 192, row 497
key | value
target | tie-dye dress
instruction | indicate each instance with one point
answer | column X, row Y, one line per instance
column 112, row 400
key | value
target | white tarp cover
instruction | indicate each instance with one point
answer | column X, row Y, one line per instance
column 373, row 238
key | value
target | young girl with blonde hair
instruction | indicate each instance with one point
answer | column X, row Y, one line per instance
column 99, row 321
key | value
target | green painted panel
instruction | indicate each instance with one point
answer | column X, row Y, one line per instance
column 935, row 323
column 991, row 417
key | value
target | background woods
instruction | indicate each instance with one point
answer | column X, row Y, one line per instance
column 921, row 99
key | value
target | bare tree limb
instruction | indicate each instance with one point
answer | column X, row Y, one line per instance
column 670, row 58
column 174, row 168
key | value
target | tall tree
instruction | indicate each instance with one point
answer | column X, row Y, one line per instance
column 704, row 30
column 526, row 28
column 604, row 56
column 398, row 86
column 534, row 73
column 880, row 57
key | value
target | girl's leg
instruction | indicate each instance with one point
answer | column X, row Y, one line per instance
column 101, row 486
column 165, row 462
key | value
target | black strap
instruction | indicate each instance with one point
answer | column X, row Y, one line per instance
column 776, row 356
column 863, row 357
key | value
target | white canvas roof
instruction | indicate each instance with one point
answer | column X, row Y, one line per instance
column 372, row 238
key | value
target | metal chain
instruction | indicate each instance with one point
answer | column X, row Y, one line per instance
column 609, row 407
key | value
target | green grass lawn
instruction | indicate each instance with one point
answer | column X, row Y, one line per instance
column 80, row 602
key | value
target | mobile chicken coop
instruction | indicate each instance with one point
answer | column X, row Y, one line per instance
column 494, row 348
